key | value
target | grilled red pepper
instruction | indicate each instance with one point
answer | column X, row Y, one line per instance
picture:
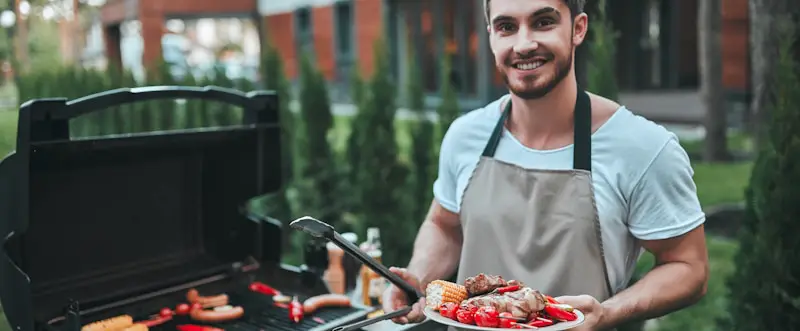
column 551, row 299
column 295, row 310
column 487, row 317
column 560, row 312
column 263, row 288
column 182, row 309
column 540, row 322
column 449, row 310
column 509, row 288
column 193, row 327
column 507, row 320
column 465, row 315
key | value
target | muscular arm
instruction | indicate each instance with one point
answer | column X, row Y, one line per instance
column 666, row 217
column 438, row 245
column 678, row 280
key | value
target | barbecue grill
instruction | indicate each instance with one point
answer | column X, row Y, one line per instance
column 104, row 226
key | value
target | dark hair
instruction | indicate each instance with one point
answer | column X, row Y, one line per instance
column 575, row 7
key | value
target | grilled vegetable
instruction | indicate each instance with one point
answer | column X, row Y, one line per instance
column 560, row 312
column 465, row 315
column 507, row 320
column 540, row 322
column 509, row 288
column 295, row 310
column 440, row 291
column 487, row 317
column 449, row 309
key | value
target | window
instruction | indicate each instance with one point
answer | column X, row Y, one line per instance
column 304, row 37
column 344, row 29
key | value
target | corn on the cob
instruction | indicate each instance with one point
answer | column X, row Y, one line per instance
column 440, row 291
column 113, row 323
column 136, row 327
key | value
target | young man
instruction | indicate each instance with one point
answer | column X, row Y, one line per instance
column 559, row 188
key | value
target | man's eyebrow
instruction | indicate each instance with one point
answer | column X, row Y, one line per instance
column 501, row 18
column 540, row 12
column 546, row 10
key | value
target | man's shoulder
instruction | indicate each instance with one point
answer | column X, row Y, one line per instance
column 628, row 132
column 630, row 144
column 473, row 127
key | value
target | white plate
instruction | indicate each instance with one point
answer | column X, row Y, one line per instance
column 438, row 318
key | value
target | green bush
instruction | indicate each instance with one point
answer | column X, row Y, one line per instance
column 764, row 290
column 601, row 78
column 381, row 179
column 315, row 170
column 449, row 110
column 277, row 205
column 423, row 147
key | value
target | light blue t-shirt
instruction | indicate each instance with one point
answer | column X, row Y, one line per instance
column 642, row 178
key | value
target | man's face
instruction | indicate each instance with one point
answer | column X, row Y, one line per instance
column 533, row 43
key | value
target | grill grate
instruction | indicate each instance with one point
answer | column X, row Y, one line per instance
column 262, row 315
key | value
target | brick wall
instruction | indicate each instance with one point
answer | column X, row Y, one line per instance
column 323, row 31
column 280, row 31
column 735, row 44
column 369, row 28
column 368, row 25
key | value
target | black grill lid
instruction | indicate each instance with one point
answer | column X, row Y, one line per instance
column 100, row 219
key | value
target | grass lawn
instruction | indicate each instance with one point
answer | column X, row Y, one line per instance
column 716, row 183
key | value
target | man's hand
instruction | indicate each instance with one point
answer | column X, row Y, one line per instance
column 589, row 306
column 394, row 299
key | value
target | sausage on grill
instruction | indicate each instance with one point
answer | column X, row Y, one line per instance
column 109, row 324
column 193, row 296
column 216, row 316
column 325, row 300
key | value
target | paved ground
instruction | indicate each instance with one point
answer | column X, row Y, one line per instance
column 684, row 107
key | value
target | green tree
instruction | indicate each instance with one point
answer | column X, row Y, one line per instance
column 381, row 181
column 277, row 205
column 353, row 152
column 764, row 290
column 601, row 78
column 423, row 156
column 316, row 169
column 449, row 110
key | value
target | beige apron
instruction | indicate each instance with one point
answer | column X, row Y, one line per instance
column 537, row 226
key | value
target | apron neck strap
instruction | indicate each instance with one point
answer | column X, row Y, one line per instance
column 582, row 154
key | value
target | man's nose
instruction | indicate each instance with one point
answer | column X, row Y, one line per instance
column 526, row 42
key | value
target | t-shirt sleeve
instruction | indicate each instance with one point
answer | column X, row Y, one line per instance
column 664, row 202
column 444, row 188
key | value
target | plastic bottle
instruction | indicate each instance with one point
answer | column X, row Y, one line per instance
column 334, row 276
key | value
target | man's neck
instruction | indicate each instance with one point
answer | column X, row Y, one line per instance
column 534, row 122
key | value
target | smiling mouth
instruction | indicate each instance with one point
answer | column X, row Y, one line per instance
column 529, row 65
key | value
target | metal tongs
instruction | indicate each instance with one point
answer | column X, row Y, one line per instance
column 319, row 229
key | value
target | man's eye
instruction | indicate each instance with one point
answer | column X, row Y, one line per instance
column 505, row 27
column 544, row 23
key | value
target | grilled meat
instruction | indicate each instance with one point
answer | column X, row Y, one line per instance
column 520, row 303
column 482, row 284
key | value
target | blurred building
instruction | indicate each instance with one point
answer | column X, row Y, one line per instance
column 656, row 48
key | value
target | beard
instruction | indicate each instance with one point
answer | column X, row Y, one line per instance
column 528, row 89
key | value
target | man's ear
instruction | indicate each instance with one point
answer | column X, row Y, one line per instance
column 580, row 27
column 488, row 28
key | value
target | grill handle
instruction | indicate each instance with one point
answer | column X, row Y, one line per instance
column 319, row 229
column 358, row 325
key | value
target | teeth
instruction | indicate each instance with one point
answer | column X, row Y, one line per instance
column 529, row 66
